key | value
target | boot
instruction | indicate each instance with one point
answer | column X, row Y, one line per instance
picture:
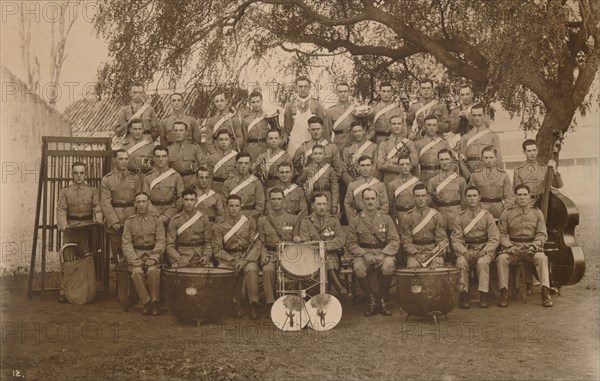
column 463, row 300
column 546, row 299
column 386, row 281
column 341, row 290
column 529, row 288
column 483, row 300
column 503, row 298
column 155, row 308
column 238, row 312
column 254, row 311
column 147, row 310
column 372, row 307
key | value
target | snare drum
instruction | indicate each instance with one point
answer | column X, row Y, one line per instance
column 199, row 294
column 425, row 292
column 300, row 261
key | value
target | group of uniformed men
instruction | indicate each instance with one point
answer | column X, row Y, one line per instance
column 408, row 185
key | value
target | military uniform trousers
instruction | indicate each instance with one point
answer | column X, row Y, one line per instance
column 475, row 258
column 413, row 261
column 146, row 281
column 250, row 281
column 384, row 263
column 539, row 259
column 270, row 276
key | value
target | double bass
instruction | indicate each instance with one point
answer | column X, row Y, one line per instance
column 565, row 257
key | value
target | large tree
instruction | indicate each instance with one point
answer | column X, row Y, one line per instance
column 536, row 56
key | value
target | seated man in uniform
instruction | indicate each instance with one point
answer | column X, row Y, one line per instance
column 493, row 183
column 77, row 210
column 222, row 162
column 274, row 227
column 373, row 242
column 209, row 202
column 475, row 238
column 353, row 201
column 143, row 246
column 294, row 200
column 189, row 236
column 522, row 237
column 235, row 247
column 422, row 231
column 321, row 226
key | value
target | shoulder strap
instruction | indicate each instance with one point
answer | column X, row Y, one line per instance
column 160, row 178
column 383, row 111
column 477, row 136
column 426, row 220
column 429, row 145
column 235, row 228
column 405, row 186
column 474, row 221
column 445, row 182
column 189, row 222
column 223, row 160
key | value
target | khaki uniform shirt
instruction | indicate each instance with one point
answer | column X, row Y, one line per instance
column 533, row 174
column 232, row 124
column 271, row 165
column 256, row 138
column 329, row 230
column 196, row 240
column 382, row 127
column 484, row 236
column 136, row 157
column 349, row 155
column 212, row 206
column 253, row 194
column 185, row 158
column 80, row 201
column 522, row 223
column 376, row 229
column 166, row 128
column 354, row 202
column 439, row 110
column 326, row 183
column 432, row 234
column 316, row 108
column 294, row 199
column 148, row 118
column 166, row 195
column 332, row 155
column 404, row 201
column 389, row 166
column 143, row 235
column 238, row 243
column 341, row 133
column 452, row 193
column 454, row 122
column 472, row 153
column 494, row 187
column 281, row 229
column 120, row 188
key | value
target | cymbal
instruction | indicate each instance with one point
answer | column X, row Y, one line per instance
column 289, row 313
column 324, row 311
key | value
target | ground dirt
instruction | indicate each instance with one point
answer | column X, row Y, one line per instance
column 43, row 340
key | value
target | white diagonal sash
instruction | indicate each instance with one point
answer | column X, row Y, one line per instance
column 415, row 125
column 339, row 120
column 137, row 146
column 318, row 175
column 477, row 136
column 422, row 224
column 383, row 111
column 362, row 148
column 364, row 186
column 289, row 190
column 202, row 198
column 396, row 148
column 272, row 160
column 474, row 222
column 405, row 186
column 308, row 152
column 189, row 222
column 139, row 112
column 446, row 181
column 235, row 228
column 221, row 121
column 429, row 145
column 255, row 122
column 160, row 178
column 223, row 160
column 243, row 184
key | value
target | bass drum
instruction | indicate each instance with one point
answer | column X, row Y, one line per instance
column 202, row 294
column 428, row 292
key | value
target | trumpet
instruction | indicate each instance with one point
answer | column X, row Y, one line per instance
column 246, row 253
column 260, row 170
column 352, row 166
column 147, row 163
column 439, row 249
column 273, row 120
column 362, row 112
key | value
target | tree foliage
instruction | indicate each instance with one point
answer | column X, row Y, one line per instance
column 536, row 56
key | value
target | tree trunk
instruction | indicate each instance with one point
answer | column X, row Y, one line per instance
column 558, row 117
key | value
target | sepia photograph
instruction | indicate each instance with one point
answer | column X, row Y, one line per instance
column 300, row 190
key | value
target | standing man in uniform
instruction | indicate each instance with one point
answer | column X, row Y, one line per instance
column 274, row 227
column 493, row 184
column 272, row 157
column 294, row 199
column 400, row 191
column 296, row 114
column 422, row 229
column 222, row 162
column 428, row 147
column 447, row 189
column 233, row 238
column 522, row 237
column 373, row 242
column 533, row 174
column 426, row 106
column 117, row 191
column 143, row 246
column 166, row 124
column 354, row 203
column 208, row 202
column 460, row 116
column 189, row 236
column 340, row 117
column 225, row 119
column 321, row 226
column 319, row 177
column 475, row 238
column 164, row 186
column 185, row 156
column 247, row 187
column 383, row 112
column 139, row 108
column 303, row 155
column 394, row 148
column 472, row 143
column 139, row 149
column 255, row 127
column 358, row 147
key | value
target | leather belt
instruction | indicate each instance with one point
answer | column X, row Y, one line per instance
column 220, row 179
column 372, row 245
column 473, row 158
column 270, row 247
column 257, row 140
column 383, row 133
column 429, row 166
column 186, row 172
column 424, row 242
column 476, row 241
column 447, row 203
column 491, row 199
column 162, row 203
column 248, row 207
column 235, row 251
column 128, row 204
column 190, row 244
column 80, row 218
column 522, row 239
column 339, row 132
column 143, row 247
column 403, row 209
